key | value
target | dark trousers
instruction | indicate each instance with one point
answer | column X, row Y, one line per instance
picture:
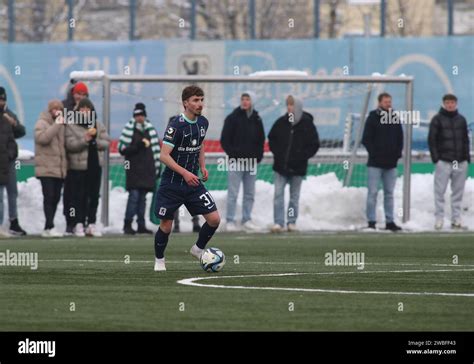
column 51, row 195
column 136, row 205
column 68, row 211
column 85, row 188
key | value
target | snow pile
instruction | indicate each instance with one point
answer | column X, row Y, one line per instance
column 88, row 75
column 275, row 73
column 324, row 205
column 25, row 154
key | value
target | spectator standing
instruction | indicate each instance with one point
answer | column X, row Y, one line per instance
column 448, row 141
column 12, row 189
column 293, row 141
column 50, row 161
column 140, row 146
column 86, row 144
column 243, row 139
column 383, row 139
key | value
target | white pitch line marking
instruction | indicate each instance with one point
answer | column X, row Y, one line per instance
column 192, row 282
column 250, row 262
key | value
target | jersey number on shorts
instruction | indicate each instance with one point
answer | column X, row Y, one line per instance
column 207, row 199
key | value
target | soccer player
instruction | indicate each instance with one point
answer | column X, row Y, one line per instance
column 183, row 154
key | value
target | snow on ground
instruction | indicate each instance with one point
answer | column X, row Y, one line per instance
column 24, row 154
column 324, row 205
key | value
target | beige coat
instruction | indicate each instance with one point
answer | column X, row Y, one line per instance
column 50, row 152
column 77, row 148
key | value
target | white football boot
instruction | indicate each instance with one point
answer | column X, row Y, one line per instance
column 196, row 251
column 160, row 265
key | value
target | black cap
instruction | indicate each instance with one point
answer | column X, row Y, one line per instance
column 139, row 109
column 3, row 94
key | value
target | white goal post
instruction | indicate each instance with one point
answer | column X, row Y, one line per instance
column 408, row 81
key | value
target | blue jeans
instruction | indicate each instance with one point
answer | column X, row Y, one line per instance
column 280, row 182
column 12, row 194
column 136, row 205
column 234, row 178
column 388, row 177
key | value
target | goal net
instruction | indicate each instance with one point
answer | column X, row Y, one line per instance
column 339, row 106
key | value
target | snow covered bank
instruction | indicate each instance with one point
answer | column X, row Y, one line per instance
column 324, row 205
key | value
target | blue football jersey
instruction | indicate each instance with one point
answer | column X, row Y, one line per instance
column 186, row 137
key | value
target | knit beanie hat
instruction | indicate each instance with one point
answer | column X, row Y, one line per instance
column 139, row 109
column 80, row 88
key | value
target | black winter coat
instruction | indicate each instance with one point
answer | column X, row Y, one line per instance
column 8, row 149
column 69, row 104
column 243, row 137
column 448, row 138
column 383, row 141
column 292, row 145
column 140, row 171
column 19, row 130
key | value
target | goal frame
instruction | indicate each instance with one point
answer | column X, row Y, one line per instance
column 107, row 80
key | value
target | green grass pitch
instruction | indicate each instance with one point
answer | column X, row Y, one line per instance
column 89, row 284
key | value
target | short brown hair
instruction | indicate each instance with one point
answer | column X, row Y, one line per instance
column 190, row 91
column 382, row 95
column 450, row 97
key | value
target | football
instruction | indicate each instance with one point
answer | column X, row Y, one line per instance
column 212, row 260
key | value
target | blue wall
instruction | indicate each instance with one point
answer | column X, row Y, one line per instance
column 36, row 73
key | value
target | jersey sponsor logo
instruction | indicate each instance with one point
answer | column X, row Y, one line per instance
column 170, row 132
column 162, row 211
column 189, row 149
